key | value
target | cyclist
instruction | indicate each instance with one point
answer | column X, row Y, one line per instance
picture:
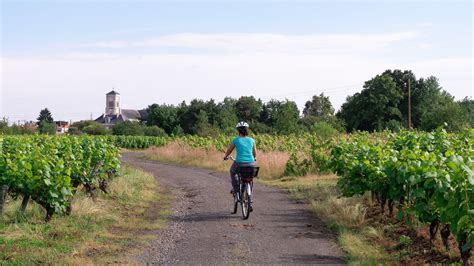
column 246, row 153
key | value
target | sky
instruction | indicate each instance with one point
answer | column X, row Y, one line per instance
column 66, row 55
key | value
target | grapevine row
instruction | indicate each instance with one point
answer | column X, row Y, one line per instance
column 429, row 175
column 49, row 170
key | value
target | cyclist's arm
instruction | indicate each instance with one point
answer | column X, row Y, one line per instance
column 254, row 151
column 229, row 150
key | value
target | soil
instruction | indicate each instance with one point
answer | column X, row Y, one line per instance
column 202, row 230
column 420, row 250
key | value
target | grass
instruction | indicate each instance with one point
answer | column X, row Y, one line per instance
column 346, row 216
column 99, row 231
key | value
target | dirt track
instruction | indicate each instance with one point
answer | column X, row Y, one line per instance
column 203, row 231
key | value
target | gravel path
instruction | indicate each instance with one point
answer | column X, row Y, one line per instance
column 204, row 232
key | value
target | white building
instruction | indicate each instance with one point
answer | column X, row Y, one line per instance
column 114, row 113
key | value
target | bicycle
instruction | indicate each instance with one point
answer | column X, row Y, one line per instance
column 244, row 195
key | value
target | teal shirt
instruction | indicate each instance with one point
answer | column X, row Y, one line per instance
column 244, row 148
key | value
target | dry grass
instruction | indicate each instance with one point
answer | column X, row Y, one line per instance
column 272, row 164
column 349, row 212
column 362, row 251
column 99, row 231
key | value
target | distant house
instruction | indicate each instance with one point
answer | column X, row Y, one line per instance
column 114, row 114
column 62, row 127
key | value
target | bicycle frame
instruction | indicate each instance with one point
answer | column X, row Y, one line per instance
column 244, row 195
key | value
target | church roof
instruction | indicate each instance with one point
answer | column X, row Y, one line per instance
column 130, row 114
column 125, row 115
column 113, row 92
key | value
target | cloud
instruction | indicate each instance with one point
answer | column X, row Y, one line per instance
column 263, row 42
column 184, row 66
column 75, row 88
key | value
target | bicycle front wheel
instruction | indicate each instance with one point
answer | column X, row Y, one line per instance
column 245, row 201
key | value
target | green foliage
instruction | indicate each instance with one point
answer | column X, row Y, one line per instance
column 163, row 116
column 4, row 128
column 89, row 127
column 324, row 130
column 383, row 104
column 95, row 129
column 248, row 109
column 128, row 128
column 374, row 106
column 467, row 105
column 45, row 115
column 431, row 174
column 447, row 112
column 296, row 166
column 137, row 142
column 14, row 129
column 46, row 123
column 154, row 131
column 319, row 106
column 46, row 168
column 227, row 117
column 287, row 115
column 47, row 128
column 404, row 242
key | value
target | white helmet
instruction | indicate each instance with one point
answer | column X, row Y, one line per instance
column 242, row 124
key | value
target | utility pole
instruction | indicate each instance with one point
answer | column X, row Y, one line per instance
column 409, row 104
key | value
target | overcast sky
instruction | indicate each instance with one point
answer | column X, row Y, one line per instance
column 66, row 55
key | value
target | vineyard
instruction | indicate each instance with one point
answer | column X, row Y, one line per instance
column 427, row 177
column 424, row 176
column 49, row 170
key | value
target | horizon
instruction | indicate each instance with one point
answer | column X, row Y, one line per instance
column 67, row 56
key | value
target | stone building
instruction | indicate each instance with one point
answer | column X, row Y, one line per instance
column 115, row 114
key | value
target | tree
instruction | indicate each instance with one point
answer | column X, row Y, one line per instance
column 128, row 128
column 203, row 127
column 324, row 130
column 163, row 116
column 89, row 127
column 45, row 115
column 401, row 78
column 286, row 120
column 227, row 117
column 248, row 109
column 46, row 122
column 467, row 105
column 47, row 128
column 446, row 111
column 319, row 106
column 4, row 128
column 188, row 115
column 154, row 131
column 374, row 106
column 269, row 113
column 94, row 128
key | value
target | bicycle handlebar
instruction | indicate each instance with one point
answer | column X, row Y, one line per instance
column 231, row 157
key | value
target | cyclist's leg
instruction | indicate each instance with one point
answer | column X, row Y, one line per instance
column 233, row 177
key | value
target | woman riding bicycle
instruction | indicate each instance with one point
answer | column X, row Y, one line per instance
column 246, row 153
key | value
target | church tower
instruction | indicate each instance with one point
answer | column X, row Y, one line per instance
column 112, row 103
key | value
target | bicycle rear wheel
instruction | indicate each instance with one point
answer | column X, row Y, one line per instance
column 245, row 201
column 236, row 202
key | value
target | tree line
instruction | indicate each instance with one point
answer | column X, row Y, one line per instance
column 382, row 104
